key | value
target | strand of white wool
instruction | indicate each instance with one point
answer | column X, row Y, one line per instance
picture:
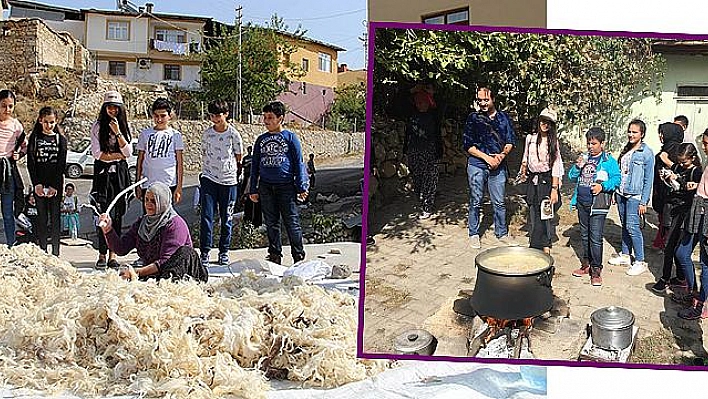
column 99, row 335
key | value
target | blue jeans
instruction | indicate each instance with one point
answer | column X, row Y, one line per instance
column 632, row 238
column 211, row 195
column 683, row 254
column 495, row 180
column 8, row 216
column 278, row 200
column 591, row 228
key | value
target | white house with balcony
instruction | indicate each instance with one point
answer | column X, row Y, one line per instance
column 134, row 44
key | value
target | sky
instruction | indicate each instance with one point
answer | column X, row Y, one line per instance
column 336, row 22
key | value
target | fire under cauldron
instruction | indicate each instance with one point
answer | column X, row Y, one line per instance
column 513, row 286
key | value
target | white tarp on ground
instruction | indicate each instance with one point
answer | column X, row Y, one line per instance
column 428, row 380
column 411, row 379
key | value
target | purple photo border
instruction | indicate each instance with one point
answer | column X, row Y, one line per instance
column 365, row 191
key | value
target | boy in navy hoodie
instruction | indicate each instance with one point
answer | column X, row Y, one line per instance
column 278, row 178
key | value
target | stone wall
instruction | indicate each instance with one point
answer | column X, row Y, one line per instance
column 137, row 97
column 28, row 46
column 324, row 144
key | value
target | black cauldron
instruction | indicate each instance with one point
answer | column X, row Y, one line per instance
column 512, row 293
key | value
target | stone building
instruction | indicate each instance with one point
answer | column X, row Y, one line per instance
column 30, row 46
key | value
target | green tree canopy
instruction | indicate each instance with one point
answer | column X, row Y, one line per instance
column 590, row 79
column 348, row 109
column 266, row 68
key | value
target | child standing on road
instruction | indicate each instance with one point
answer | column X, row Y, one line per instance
column 46, row 161
column 160, row 153
column 278, row 177
column 597, row 175
column 70, row 211
column 311, row 170
column 633, row 194
column 221, row 157
column 12, row 147
column 683, row 179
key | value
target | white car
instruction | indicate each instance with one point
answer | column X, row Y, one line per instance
column 79, row 160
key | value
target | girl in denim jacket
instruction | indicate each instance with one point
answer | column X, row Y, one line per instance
column 634, row 192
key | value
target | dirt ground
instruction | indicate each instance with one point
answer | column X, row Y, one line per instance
column 416, row 268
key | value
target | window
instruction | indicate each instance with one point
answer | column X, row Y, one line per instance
column 305, row 64
column 116, row 68
column 325, row 62
column 118, row 30
column 454, row 17
column 171, row 35
column 692, row 91
column 173, row 72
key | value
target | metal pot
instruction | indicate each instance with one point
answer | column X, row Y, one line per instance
column 612, row 327
column 415, row 342
column 513, row 293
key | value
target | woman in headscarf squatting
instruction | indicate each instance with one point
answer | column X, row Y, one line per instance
column 161, row 238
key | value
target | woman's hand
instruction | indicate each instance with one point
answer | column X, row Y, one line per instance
column 177, row 197
column 115, row 129
column 104, row 221
column 692, row 185
column 52, row 192
column 554, row 196
column 39, row 190
column 253, row 197
column 642, row 209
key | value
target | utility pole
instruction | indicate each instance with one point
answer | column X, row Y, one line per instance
column 239, row 16
column 366, row 44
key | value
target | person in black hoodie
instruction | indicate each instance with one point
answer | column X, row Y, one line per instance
column 46, row 161
column 670, row 135
column 423, row 147
column 682, row 182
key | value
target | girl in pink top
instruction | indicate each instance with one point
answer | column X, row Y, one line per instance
column 542, row 168
column 13, row 146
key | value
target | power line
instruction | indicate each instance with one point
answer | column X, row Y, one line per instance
column 315, row 18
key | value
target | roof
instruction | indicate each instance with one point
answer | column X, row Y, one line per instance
column 690, row 47
column 32, row 5
column 307, row 39
column 157, row 15
column 47, row 7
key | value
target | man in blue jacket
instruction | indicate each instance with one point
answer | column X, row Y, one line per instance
column 278, row 177
column 488, row 139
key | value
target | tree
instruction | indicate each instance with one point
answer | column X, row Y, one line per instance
column 266, row 68
column 348, row 109
column 591, row 79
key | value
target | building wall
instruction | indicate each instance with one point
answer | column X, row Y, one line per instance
column 494, row 13
column 311, row 52
column 29, row 45
column 681, row 69
column 310, row 104
column 154, row 74
column 352, row 78
column 96, row 33
column 77, row 29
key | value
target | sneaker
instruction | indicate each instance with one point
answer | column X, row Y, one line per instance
column 659, row 286
column 274, row 258
column 506, row 240
column 101, row 264
column 694, row 312
column 621, row 259
column 683, row 297
column 474, row 242
column 675, row 284
column 596, row 280
column 224, row 259
column 584, row 269
column 205, row 258
column 637, row 268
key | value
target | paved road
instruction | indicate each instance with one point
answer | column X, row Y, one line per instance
column 340, row 176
